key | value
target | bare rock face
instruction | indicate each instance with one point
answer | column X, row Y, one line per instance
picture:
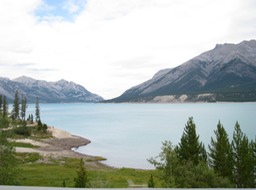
column 227, row 72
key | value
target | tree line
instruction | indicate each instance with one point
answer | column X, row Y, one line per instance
column 20, row 107
column 188, row 164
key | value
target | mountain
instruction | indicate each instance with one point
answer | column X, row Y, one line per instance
column 225, row 73
column 47, row 92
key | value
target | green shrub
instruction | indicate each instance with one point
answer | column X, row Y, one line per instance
column 24, row 131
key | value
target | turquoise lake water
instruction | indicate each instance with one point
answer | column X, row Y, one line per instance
column 128, row 134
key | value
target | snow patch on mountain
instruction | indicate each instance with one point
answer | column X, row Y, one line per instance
column 50, row 92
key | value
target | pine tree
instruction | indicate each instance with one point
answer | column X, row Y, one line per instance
column 251, row 166
column 16, row 106
column 243, row 173
column 4, row 121
column 30, row 118
column 1, row 102
column 189, row 147
column 37, row 114
column 82, row 177
column 253, row 144
column 184, row 173
column 221, row 153
column 23, row 108
column 5, row 107
column 151, row 183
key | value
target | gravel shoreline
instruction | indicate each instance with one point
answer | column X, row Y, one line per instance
column 61, row 145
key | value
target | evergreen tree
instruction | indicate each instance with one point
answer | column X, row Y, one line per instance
column 221, row 153
column 1, row 102
column 151, row 183
column 184, row 173
column 5, row 108
column 64, row 183
column 23, row 108
column 16, row 106
column 4, row 121
column 37, row 114
column 253, row 145
column 189, row 147
column 30, row 118
column 82, row 177
column 251, row 166
column 243, row 172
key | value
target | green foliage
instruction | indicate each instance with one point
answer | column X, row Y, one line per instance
column 25, row 145
column 64, row 183
column 23, row 108
column 151, row 183
column 1, row 102
column 4, row 122
column 5, row 108
column 189, row 147
column 167, row 162
column 41, row 127
column 8, row 163
column 16, row 106
column 205, row 177
column 221, row 158
column 28, row 157
column 37, row 111
column 184, row 173
column 185, row 166
column 82, row 177
column 53, row 172
column 23, row 131
column 30, row 118
column 253, row 145
column 244, row 163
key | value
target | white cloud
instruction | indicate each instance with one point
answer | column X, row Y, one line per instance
column 115, row 44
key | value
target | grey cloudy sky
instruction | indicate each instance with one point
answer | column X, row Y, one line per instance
column 110, row 45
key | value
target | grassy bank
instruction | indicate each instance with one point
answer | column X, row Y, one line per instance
column 59, row 172
column 55, row 165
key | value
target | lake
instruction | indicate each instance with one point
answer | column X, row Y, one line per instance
column 128, row 134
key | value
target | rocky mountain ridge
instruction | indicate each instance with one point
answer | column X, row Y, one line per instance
column 225, row 73
column 61, row 91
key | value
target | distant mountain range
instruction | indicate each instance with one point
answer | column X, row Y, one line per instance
column 61, row 91
column 225, row 73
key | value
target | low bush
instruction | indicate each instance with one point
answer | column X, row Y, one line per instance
column 24, row 131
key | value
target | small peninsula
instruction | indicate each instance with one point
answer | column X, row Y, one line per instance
column 60, row 144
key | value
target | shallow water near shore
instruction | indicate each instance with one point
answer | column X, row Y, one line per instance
column 128, row 134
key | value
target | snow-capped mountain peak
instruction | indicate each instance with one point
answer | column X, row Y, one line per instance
column 60, row 91
column 25, row 80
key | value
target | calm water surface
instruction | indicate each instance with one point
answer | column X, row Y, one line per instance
column 128, row 134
